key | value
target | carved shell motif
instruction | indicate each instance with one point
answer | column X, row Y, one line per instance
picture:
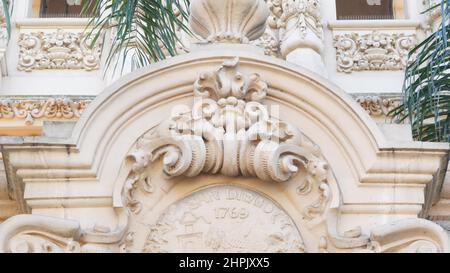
column 229, row 21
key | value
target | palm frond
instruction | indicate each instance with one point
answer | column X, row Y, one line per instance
column 146, row 29
column 427, row 84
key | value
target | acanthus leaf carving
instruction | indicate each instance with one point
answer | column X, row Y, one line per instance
column 33, row 109
column 58, row 50
column 229, row 131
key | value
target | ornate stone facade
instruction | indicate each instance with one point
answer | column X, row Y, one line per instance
column 57, row 50
column 30, row 110
column 222, row 148
column 234, row 166
column 374, row 51
column 71, row 109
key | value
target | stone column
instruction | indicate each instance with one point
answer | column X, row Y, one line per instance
column 301, row 33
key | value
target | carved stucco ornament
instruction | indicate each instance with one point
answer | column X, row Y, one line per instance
column 36, row 234
column 409, row 236
column 373, row 51
column 57, row 50
column 30, row 110
column 42, row 234
column 230, row 132
column 228, row 21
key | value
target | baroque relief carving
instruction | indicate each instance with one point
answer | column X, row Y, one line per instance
column 224, row 219
column 378, row 106
column 409, row 236
column 3, row 31
column 374, row 51
column 305, row 15
column 230, row 132
column 51, row 109
column 57, row 50
column 178, row 229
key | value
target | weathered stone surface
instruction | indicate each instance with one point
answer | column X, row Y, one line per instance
column 224, row 219
column 221, row 149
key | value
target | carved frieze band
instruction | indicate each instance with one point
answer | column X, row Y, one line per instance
column 373, row 51
column 30, row 110
column 70, row 109
column 378, row 106
column 58, row 50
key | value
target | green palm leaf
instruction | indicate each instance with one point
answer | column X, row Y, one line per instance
column 427, row 84
column 146, row 29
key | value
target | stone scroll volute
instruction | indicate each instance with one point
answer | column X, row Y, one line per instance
column 229, row 158
column 228, row 135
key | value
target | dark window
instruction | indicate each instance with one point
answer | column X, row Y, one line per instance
column 61, row 8
column 364, row 9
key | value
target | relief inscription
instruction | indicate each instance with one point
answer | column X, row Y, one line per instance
column 224, row 219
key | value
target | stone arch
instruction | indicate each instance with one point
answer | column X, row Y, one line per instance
column 372, row 175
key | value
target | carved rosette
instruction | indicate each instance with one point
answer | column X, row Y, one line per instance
column 228, row 21
column 57, row 50
column 374, row 51
column 230, row 132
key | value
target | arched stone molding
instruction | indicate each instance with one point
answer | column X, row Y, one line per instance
column 373, row 176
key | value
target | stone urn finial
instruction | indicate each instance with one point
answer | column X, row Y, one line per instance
column 228, row 21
